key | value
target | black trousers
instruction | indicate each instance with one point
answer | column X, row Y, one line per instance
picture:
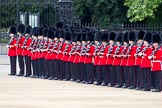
column 72, row 71
column 67, row 70
column 104, row 74
column 132, row 76
column 112, row 76
column 119, row 75
column 146, row 78
column 35, row 67
column 28, row 65
column 78, row 71
column 83, row 72
column 55, row 68
column 21, row 64
column 90, row 72
column 126, row 76
column 138, row 71
column 40, row 66
column 51, row 68
column 157, row 80
column 46, row 68
column 13, row 64
column 98, row 74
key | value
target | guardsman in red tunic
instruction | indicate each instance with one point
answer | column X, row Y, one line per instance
column 32, row 49
column 54, row 55
column 110, row 58
column 155, row 58
column 25, row 52
column 102, row 61
column 39, row 53
column 48, row 58
column 65, row 57
column 124, row 61
column 98, row 45
column 61, row 47
column 12, row 50
column 146, row 63
column 44, row 51
column 117, row 60
column 138, row 59
column 72, row 57
column 131, row 59
column 83, row 76
column 77, row 56
column 20, row 40
column 89, row 57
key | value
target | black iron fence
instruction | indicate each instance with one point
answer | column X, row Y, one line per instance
column 124, row 26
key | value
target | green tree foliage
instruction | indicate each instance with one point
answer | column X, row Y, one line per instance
column 101, row 11
column 139, row 10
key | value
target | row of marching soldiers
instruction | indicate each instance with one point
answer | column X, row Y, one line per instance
column 130, row 59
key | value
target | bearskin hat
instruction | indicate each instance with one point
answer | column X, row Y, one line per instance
column 45, row 32
column 12, row 30
column 59, row 25
column 61, row 34
column 34, row 31
column 148, row 37
column 119, row 37
column 141, row 34
column 125, row 37
column 132, row 36
column 51, row 34
column 68, row 35
column 28, row 29
column 104, row 36
column 98, row 36
column 112, row 35
column 156, row 38
column 90, row 36
column 21, row 28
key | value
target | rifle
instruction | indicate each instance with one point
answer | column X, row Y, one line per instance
column 49, row 46
column 139, row 48
column 18, row 40
column 123, row 51
column 67, row 46
column 117, row 49
column 97, row 49
column 59, row 48
column 145, row 48
column 88, row 48
column 130, row 48
column 25, row 42
column 72, row 49
column 83, row 49
column 110, row 49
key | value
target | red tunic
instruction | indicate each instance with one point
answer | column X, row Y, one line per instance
column 124, row 59
column 156, row 62
column 12, row 50
column 110, row 58
column 19, row 49
column 145, row 62
column 25, row 51
column 60, row 55
column 117, row 60
column 103, row 57
column 72, row 56
column 89, row 58
column 66, row 55
column 131, row 57
column 138, row 58
column 77, row 56
column 97, row 57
